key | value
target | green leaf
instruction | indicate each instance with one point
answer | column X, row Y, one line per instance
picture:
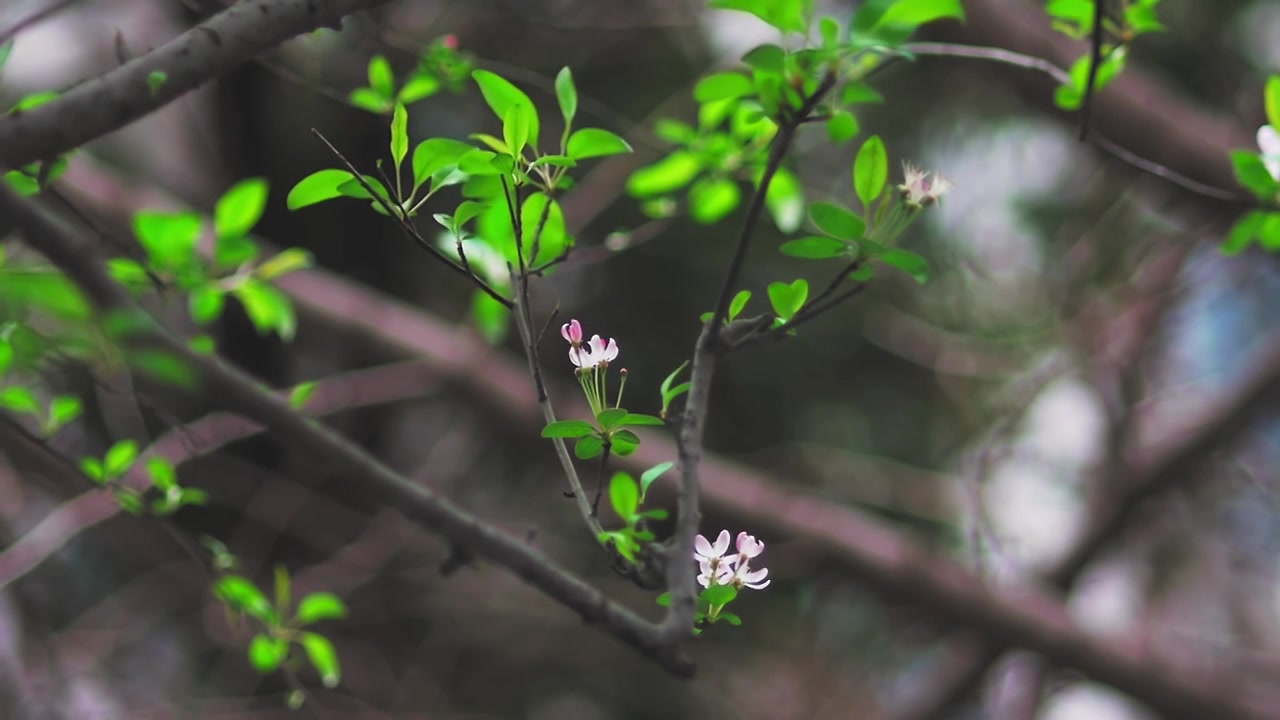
column 320, row 606
column 913, row 13
column 1269, row 232
column 240, row 208
column 300, row 394
column 515, row 128
column 667, row 175
column 594, row 142
column 785, row 200
column 766, row 58
column 206, row 303
column 664, row 599
column 169, row 238
column 554, row 238
column 491, row 317
column 435, row 154
column 624, row 495
column 241, row 595
column 323, row 657
column 1271, row 98
column 815, row 247
column 369, row 99
column 567, row 95
column 34, row 100
column 192, row 496
column 163, row 475
column 6, row 355
column 711, row 199
column 267, row 653
column 719, row 594
column 399, row 135
column 723, row 86
column 1242, row 233
column 268, row 308
column 611, row 418
column 870, row 170
column 119, row 458
column 640, row 420
column 625, row 442
column 786, row 15
column 501, row 95
column 588, row 447
column 232, row 251
column 788, row 299
column 907, row 261
column 568, row 429
column 738, row 302
column 417, row 88
column 836, row 221
column 283, row 263
column 1253, row 174
column 317, row 187
column 842, row 127
column 19, row 399
column 856, row 92
column 381, row 78
column 64, row 409
column 648, row 477
column 156, row 80
column 93, row 468
column 730, row 618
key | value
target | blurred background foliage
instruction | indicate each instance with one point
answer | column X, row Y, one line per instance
column 973, row 412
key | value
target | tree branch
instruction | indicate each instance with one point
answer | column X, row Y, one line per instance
column 120, row 96
column 383, row 486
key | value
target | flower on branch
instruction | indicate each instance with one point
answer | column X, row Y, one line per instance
column 572, row 332
column 1269, row 144
column 919, row 189
column 717, row 569
column 594, row 353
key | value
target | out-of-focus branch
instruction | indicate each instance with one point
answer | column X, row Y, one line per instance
column 881, row 558
column 120, row 96
column 381, row 485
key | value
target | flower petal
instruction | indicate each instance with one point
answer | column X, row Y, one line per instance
column 722, row 543
column 701, row 547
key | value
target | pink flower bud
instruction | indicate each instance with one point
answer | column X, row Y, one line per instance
column 572, row 332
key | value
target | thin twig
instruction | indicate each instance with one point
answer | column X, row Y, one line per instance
column 1095, row 59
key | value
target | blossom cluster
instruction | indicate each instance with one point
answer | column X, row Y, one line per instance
column 589, row 354
column 734, row 569
column 919, row 189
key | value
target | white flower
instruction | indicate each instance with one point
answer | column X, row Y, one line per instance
column 705, row 552
column 1269, row 144
column 748, row 546
column 594, row 353
column 750, row 578
column 917, row 187
column 719, row 572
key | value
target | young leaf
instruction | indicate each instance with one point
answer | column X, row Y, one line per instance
column 611, row 418
column 649, row 476
column 624, row 495
column 417, row 88
column 1271, row 99
column 719, row 594
column 568, row 429
column 241, row 595
column 64, row 409
column 815, row 247
column 625, row 442
column 913, row 13
column 738, row 302
column 317, row 187
column 285, row 262
column 19, row 399
column 169, row 238
column 320, row 606
column 588, row 447
column 381, row 78
column 268, row 308
column 785, row 200
column 788, row 299
column 300, row 394
column 639, row 420
column 836, row 221
column 515, row 128
column 856, row 92
column 239, row 209
column 93, row 468
column 567, row 95
column 1242, row 233
column 435, row 154
column 399, row 135
column 156, row 80
column 842, row 127
column 766, row 58
column 594, row 142
column 870, row 170
column 206, row 303
column 786, row 15
column 501, row 95
column 1253, row 174
column 710, row 199
column 267, row 653
column 163, row 475
column 664, row 599
column 907, row 261
column 667, row 175
column 722, row 86
column 119, row 458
